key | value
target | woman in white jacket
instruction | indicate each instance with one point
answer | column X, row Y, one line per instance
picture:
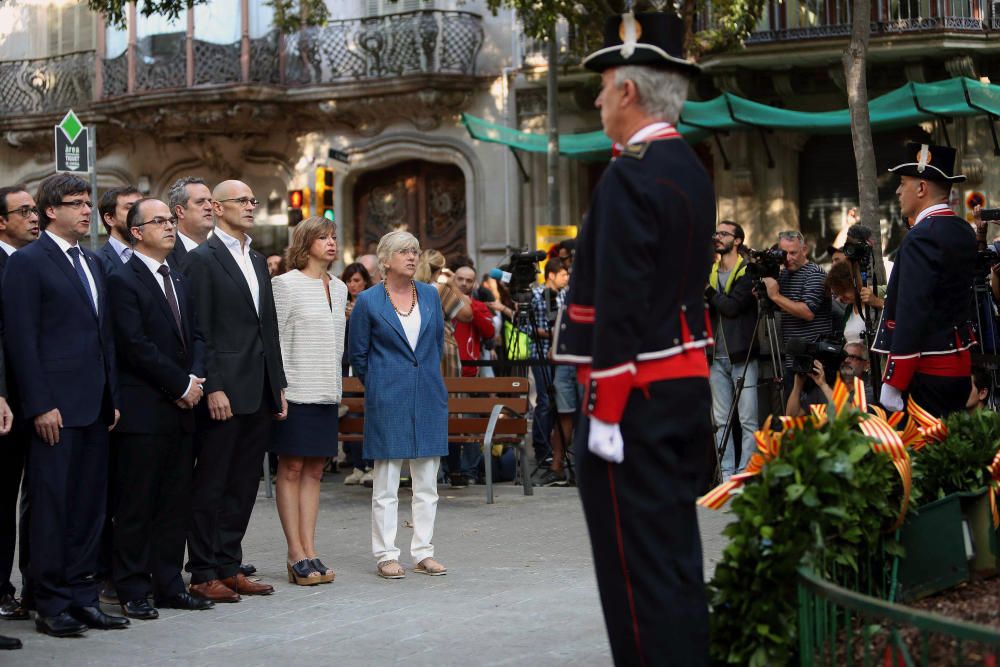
column 310, row 303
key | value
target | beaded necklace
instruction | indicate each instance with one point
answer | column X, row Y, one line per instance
column 413, row 304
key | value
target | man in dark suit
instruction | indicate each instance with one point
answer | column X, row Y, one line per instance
column 190, row 201
column 160, row 354
column 114, row 207
column 59, row 339
column 6, row 422
column 18, row 228
column 244, row 386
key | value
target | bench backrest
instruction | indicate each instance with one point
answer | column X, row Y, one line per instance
column 470, row 402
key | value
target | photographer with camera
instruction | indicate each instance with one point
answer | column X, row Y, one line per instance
column 926, row 327
column 734, row 321
column 546, row 301
column 800, row 293
column 853, row 361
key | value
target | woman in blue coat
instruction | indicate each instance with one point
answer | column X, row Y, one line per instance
column 396, row 336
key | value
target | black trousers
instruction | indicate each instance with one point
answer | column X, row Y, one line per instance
column 68, row 493
column 644, row 527
column 152, row 483
column 939, row 395
column 13, row 456
column 230, row 456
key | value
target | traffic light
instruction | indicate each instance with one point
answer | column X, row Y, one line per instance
column 324, row 192
column 296, row 199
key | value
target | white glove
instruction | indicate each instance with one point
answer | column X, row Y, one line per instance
column 606, row 441
column 891, row 398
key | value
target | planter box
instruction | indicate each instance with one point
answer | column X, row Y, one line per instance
column 985, row 540
column 934, row 539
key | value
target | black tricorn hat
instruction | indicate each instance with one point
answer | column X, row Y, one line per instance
column 931, row 163
column 653, row 40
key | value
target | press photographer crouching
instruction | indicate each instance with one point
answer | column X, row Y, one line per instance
column 733, row 308
column 800, row 293
column 808, row 364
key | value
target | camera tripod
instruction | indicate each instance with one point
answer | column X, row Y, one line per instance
column 524, row 317
column 765, row 314
column 862, row 268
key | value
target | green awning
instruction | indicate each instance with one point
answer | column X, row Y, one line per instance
column 908, row 105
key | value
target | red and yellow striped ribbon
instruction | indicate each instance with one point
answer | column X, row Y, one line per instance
column 860, row 398
column 930, row 427
column 994, row 470
column 768, row 445
column 891, row 443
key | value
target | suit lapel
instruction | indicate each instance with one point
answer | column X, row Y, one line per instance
column 151, row 283
column 259, row 264
column 224, row 257
column 62, row 262
column 388, row 313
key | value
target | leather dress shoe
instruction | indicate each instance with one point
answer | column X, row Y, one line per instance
column 244, row 586
column 93, row 617
column 140, row 609
column 9, row 643
column 214, row 591
column 185, row 601
column 11, row 609
column 247, row 569
column 61, row 625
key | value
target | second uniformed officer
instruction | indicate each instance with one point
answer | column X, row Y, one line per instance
column 636, row 326
column 926, row 326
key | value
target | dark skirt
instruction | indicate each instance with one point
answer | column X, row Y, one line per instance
column 309, row 430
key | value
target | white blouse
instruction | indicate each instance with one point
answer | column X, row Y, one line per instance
column 312, row 336
column 411, row 326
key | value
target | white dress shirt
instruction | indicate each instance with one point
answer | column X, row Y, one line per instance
column 123, row 251
column 153, row 267
column 8, row 248
column 189, row 244
column 65, row 246
column 241, row 255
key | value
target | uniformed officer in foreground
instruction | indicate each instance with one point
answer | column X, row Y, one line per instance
column 636, row 326
column 926, row 327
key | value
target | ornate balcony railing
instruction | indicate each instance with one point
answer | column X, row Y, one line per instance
column 47, row 85
column 394, row 45
column 790, row 20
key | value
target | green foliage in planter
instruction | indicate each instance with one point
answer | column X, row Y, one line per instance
column 959, row 462
column 824, row 502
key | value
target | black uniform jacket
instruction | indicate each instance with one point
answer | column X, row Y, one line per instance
column 636, row 311
column 926, row 325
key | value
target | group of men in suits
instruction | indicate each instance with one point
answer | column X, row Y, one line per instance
column 143, row 380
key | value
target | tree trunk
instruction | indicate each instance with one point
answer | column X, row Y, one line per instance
column 553, row 121
column 855, row 63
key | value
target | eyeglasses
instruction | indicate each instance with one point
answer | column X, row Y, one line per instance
column 159, row 222
column 76, row 204
column 722, row 233
column 856, row 358
column 242, row 201
column 24, row 211
column 410, row 251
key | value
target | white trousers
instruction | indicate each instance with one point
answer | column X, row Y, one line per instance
column 385, row 507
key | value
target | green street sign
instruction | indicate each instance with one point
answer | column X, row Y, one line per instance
column 72, row 144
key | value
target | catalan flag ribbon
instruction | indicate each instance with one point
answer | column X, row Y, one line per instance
column 930, row 427
column 994, row 470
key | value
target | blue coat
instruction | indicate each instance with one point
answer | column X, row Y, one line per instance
column 406, row 403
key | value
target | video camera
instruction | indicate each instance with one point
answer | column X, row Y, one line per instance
column 828, row 350
column 519, row 271
column 765, row 263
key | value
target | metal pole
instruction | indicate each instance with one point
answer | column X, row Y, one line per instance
column 553, row 119
column 95, row 216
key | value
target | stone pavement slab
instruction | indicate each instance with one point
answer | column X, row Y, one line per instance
column 520, row 590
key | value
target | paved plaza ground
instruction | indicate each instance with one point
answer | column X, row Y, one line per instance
column 520, row 591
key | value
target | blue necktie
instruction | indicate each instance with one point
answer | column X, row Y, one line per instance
column 75, row 254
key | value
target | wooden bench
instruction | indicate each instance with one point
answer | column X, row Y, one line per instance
column 486, row 411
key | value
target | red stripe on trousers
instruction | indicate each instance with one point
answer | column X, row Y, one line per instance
column 621, row 555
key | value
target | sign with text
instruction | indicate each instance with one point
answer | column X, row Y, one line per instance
column 72, row 144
